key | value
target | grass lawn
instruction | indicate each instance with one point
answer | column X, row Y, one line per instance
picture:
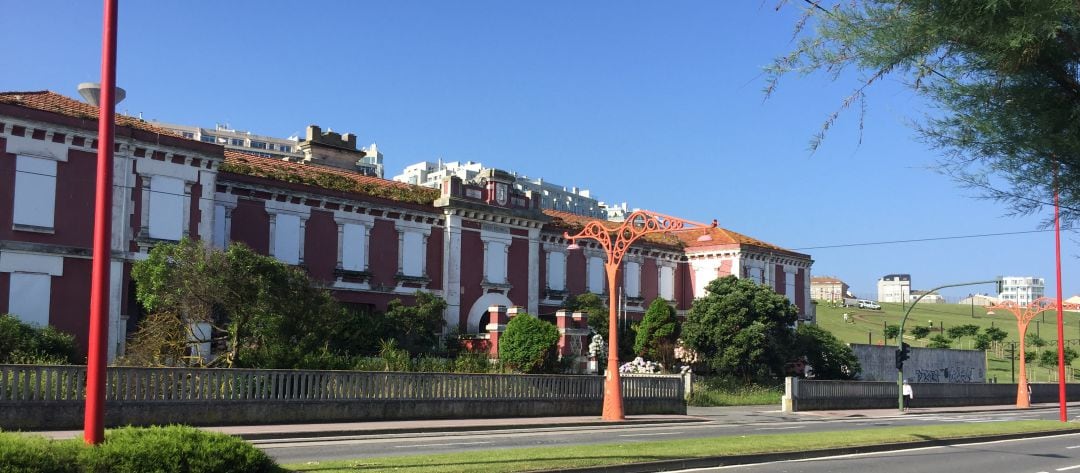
column 562, row 457
column 867, row 327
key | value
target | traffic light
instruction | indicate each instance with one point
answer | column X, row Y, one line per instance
column 1000, row 286
column 902, row 354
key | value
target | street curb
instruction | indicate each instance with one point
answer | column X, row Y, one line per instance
column 321, row 434
column 730, row 460
column 945, row 410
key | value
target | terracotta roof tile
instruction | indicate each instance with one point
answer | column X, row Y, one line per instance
column 328, row 178
column 53, row 102
column 722, row 236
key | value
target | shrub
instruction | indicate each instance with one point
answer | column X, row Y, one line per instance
column 473, row 363
column 21, row 453
column 175, row 448
column 529, row 344
column 24, row 343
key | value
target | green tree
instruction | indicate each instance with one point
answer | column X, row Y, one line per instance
column 996, row 334
column 892, row 331
column 529, row 344
column 741, row 329
column 1049, row 358
column 418, row 327
column 920, row 332
column 1034, row 340
column 960, row 331
column 982, row 341
column 827, row 355
column 657, row 333
column 595, row 309
column 270, row 313
column 939, row 341
column 1000, row 76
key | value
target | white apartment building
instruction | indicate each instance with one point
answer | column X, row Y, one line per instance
column 894, row 288
column 1022, row 289
column 287, row 149
column 552, row 196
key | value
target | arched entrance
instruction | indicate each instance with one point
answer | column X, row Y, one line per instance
column 478, row 314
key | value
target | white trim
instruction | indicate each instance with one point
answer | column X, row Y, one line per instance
column 45, row 149
column 11, row 262
column 168, row 169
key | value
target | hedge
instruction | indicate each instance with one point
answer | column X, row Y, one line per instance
column 172, row 449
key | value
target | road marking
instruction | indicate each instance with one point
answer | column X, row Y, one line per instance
column 647, row 435
column 1068, row 468
column 439, row 444
column 1072, row 447
column 783, row 428
column 869, row 454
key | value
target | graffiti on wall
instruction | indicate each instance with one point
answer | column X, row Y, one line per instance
column 954, row 374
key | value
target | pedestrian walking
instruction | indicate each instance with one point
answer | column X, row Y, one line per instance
column 909, row 394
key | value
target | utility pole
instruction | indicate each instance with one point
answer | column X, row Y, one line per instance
column 900, row 339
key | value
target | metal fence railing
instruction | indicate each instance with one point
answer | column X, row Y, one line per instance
column 67, row 383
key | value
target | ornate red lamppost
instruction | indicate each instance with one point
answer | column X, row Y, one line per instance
column 615, row 241
column 1024, row 315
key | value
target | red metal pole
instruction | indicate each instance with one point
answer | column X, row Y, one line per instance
column 613, row 407
column 94, row 420
column 1060, row 318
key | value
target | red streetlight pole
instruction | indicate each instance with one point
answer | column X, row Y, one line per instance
column 94, row 420
column 615, row 241
column 1060, row 317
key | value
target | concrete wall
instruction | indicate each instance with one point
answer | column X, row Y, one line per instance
column 926, row 365
column 812, row 395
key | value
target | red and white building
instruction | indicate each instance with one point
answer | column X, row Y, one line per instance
column 477, row 244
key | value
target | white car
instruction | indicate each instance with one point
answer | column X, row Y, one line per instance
column 863, row 304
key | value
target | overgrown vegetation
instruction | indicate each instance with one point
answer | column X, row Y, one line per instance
column 22, row 343
column 327, row 180
column 172, row 449
column 718, row 391
column 263, row 314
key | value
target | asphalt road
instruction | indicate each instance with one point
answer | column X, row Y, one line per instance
column 729, row 423
column 1035, row 455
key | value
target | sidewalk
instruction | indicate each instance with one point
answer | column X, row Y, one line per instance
column 339, row 429
column 733, row 414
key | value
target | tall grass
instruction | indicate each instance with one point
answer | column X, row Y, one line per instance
column 716, row 391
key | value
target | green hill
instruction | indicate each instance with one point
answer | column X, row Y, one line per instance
column 867, row 326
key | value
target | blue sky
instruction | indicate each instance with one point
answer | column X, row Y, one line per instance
column 657, row 104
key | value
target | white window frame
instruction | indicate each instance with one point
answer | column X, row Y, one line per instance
column 556, row 270
column 596, row 274
column 412, row 234
column 354, row 246
column 666, row 286
column 632, row 278
column 282, row 248
column 27, row 269
column 168, row 196
column 287, row 235
column 35, row 194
